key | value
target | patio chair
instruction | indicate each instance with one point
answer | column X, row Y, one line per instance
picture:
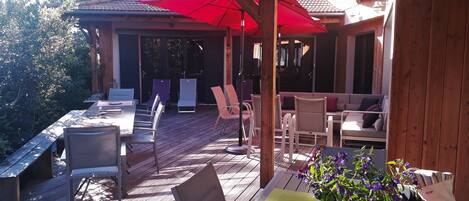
column 233, row 99
column 92, row 152
column 144, row 135
column 146, row 116
column 119, row 94
column 310, row 120
column 187, row 95
column 281, row 123
column 223, row 109
column 162, row 87
column 204, row 185
column 435, row 185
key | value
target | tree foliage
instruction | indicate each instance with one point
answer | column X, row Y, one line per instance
column 43, row 68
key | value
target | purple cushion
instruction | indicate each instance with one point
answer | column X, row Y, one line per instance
column 369, row 119
column 367, row 102
column 332, row 104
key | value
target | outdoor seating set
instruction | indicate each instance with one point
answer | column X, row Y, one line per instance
column 305, row 115
column 107, row 130
column 361, row 117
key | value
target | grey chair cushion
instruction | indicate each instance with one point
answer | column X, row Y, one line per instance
column 95, row 172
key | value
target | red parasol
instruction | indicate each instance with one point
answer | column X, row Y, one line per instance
column 292, row 19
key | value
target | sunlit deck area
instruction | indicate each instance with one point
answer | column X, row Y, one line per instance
column 186, row 142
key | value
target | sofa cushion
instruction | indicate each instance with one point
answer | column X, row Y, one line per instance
column 341, row 97
column 378, row 124
column 357, row 98
column 367, row 102
column 370, row 118
column 352, row 126
column 332, row 104
column 353, row 107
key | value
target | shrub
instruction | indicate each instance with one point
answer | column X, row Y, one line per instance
column 43, row 68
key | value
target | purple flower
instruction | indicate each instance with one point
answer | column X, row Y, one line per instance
column 375, row 186
column 407, row 164
column 340, row 188
column 327, row 177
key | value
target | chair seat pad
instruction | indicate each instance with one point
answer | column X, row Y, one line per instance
column 352, row 126
column 141, row 138
column 95, row 172
column 186, row 103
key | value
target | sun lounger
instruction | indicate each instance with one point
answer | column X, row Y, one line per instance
column 187, row 95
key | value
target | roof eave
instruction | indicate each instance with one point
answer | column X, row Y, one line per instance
column 328, row 14
column 76, row 13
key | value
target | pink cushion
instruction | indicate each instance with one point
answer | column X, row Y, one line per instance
column 331, row 104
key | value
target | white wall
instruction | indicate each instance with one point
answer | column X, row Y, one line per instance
column 388, row 51
column 350, row 64
column 115, row 58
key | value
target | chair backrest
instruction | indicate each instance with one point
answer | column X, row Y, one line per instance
column 256, row 108
column 157, row 118
column 221, row 101
column 247, row 88
column 92, row 147
column 379, row 157
column 188, row 89
column 204, row 185
column 162, row 87
column 155, row 103
column 121, row 94
column 232, row 98
column 310, row 114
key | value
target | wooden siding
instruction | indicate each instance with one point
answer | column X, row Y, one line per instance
column 374, row 25
column 430, row 87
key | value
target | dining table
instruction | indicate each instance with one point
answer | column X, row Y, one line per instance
column 111, row 113
column 107, row 113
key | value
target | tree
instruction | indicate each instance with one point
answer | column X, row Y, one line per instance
column 43, row 68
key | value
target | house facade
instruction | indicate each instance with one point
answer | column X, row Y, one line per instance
column 133, row 43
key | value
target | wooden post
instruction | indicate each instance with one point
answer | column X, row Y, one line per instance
column 268, row 11
column 228, row 52
column 93, row 58
column 105, row 47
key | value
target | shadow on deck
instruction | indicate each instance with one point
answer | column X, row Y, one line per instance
column 186, row 143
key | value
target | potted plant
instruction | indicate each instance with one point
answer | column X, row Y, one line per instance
column 330, row 179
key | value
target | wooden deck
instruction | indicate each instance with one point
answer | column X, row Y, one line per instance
column 186, row 143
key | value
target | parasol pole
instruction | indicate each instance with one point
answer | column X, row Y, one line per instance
column 239, row 149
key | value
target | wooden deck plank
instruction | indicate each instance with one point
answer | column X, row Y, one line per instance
column 182, row 153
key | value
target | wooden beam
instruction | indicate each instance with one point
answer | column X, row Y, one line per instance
column 252, row 9
column 269, row 41
column 93, row 57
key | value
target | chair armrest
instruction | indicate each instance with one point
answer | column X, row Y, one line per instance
column 143, row 115
column 144, row 129
column 363, row 112
column 330, row 131
column 142, row 110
